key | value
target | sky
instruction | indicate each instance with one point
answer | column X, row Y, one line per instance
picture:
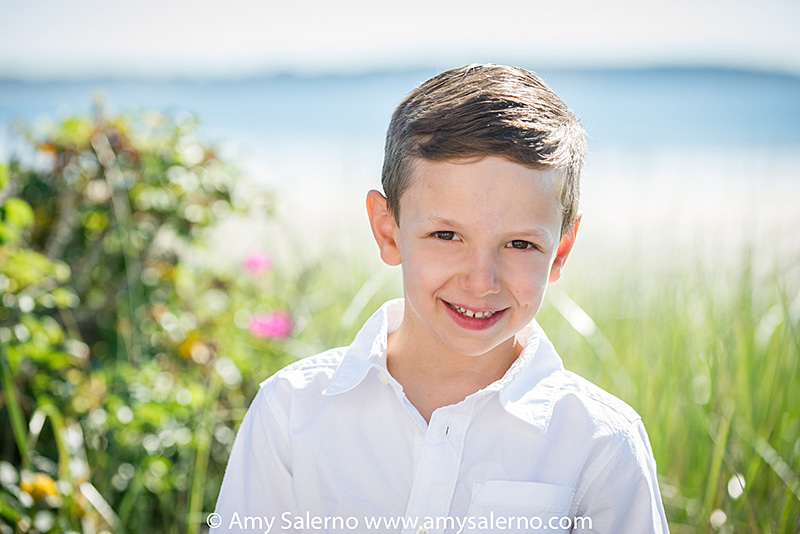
column 56, row 39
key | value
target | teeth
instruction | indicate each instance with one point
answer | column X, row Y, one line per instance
column 470, row 313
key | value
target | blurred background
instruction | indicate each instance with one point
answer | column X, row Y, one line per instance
column 182, row 192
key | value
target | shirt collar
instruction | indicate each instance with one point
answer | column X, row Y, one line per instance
column 522, row 390
column 368, row 349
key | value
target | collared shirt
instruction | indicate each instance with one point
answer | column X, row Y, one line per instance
column 332, row 444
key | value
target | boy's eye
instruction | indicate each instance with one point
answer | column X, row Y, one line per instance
column 447, row 236
column 521, row 244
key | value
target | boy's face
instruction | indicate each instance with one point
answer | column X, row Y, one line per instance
column 478, row 241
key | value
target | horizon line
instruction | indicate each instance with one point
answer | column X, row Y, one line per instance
column 244, row 75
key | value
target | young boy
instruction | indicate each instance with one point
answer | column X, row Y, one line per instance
column 451, row 411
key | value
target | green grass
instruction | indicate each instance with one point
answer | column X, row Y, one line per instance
column 709, row 358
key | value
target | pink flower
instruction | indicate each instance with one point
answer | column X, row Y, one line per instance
column 257, row 263
column 276, row 325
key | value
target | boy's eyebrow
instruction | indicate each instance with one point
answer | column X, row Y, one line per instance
column 436, row 219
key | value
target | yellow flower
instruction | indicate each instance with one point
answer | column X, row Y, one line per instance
column 39, row 486
column 186, row 346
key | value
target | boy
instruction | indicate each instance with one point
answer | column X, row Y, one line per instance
column 451, row 411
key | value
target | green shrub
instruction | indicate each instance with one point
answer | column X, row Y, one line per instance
column 125, row 369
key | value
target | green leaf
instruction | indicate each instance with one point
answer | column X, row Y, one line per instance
column 65, row 298
column 17, row 212
column 26, row 266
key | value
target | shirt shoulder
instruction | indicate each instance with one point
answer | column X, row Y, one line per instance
column 311, row 374
column 597, row 401
column 584, row 408
column 300, row 383
column 616, row 464
column 619, row 471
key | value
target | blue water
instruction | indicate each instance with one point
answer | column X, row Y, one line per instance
column 342, row 119
column 675, row 106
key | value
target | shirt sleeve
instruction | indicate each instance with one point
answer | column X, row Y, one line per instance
column 624, row 496
column 257, row 489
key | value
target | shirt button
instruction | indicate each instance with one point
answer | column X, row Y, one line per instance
column 423, row 531
column 383, row 379
column 419, row 430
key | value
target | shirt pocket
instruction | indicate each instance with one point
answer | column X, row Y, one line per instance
column 514, row 506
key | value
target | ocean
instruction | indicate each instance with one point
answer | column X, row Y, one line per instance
column 687, row 153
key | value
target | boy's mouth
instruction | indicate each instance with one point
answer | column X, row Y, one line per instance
column 472, row 314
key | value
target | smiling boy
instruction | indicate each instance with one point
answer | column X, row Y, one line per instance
column 451, row 410
column 478, row 241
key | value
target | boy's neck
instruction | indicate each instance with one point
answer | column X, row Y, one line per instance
column 433, row 376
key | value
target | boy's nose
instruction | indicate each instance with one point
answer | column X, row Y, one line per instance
column 481, row 276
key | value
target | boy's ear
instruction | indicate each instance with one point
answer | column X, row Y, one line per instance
column 564, row 248
column 384, row 227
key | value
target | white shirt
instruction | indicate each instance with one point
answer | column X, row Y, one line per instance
column 331, row 444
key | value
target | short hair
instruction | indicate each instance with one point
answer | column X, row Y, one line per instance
column 485, row 110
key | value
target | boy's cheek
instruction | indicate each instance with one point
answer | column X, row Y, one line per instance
column 426, row 252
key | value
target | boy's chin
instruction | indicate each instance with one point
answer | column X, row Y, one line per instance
column 462, row 347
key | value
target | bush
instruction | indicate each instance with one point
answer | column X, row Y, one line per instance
column 125, row 368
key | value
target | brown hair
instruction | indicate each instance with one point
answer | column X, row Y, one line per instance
column 485, row 110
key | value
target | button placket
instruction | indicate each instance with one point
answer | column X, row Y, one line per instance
column 438, row 465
